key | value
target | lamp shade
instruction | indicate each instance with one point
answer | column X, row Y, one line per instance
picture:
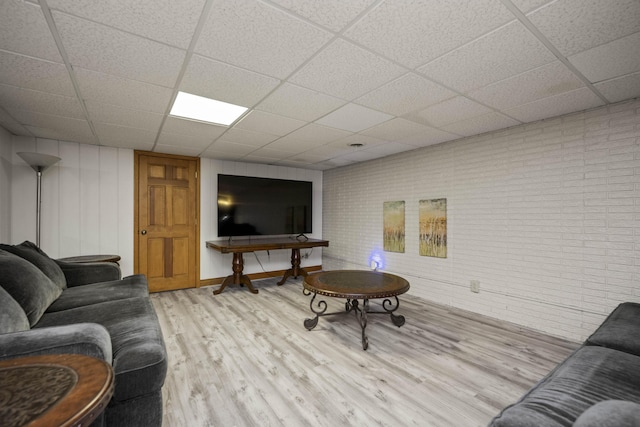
column 39, row 161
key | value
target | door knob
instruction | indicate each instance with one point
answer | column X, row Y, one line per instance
column 143, row 232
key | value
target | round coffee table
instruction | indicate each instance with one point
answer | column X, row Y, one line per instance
column 54, row 390
column 355, row 285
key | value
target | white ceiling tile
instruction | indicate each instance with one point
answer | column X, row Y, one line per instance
column 622, row 88
column 428, row 137
column 404, row 95
column 480, row 124
column 577, row 100
column 548, row 80
column 414, row 33
column 193, row 128
column 12, row 97
column 614, row 59
column 31, row 73
column 573, row 26
column 395, row 129
column 295, row 62
column 11, row 124
column 348, row 142
column 230, row 148
column 527, row 6
column 357, row 156
column 333, row 14
column 224, row 82
column 503, row 53
column 117, row 115
column 259, row 37
column 308, row 137
column 100, row 48
column 170, row 22
column 299, row 103
column 126, row 137
column 353, row 118
column 269, row 153
column 378, row 151
column 247, row 137
column 307, row 157
column 451, row 111
column 346, row 71
column 24, row 30
column 122, row 92
column 330, row 151
column 72, row 132
column 196, row 143
column 273, row 124
column 180, row 151
column 55, row 127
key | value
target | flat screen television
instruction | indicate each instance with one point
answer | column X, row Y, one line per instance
column 251, row 206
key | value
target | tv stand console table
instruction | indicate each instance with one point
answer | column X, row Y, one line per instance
column 239, row 247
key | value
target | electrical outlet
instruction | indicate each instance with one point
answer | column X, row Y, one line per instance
column 475, row 286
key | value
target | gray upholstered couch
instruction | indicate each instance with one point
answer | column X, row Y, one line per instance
column 52, row 307
column 597, row 385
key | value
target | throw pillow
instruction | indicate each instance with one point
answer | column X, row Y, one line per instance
column 29, row 286
column 37, row 257
column 12, row 316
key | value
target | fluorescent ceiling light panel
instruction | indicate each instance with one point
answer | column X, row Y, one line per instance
column 354, row 118
column 196, row 107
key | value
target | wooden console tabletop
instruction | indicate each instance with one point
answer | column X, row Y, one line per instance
column 238, row 247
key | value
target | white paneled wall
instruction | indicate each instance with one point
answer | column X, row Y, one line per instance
column 215, row 265
column 5, row 185
column 546, row 216
column 87, row 200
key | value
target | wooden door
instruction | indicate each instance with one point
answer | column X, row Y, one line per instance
column 167, row 231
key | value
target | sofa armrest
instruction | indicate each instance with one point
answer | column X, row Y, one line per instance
column 610, row 413
column 89, row 339
column 93, row 272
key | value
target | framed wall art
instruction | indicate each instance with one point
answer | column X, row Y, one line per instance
column 393, row 223
column 433, row 227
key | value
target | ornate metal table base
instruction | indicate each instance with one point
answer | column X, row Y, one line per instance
column 353, row 305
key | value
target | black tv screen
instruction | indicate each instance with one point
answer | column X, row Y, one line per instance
column 250, row 206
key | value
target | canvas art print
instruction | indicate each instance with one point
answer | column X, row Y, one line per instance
column 393, row 222
column 433, row 227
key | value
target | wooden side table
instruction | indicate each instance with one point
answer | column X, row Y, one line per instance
column 91, row 258
column 54, row 390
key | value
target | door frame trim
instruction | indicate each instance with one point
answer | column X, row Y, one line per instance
column 136, row 227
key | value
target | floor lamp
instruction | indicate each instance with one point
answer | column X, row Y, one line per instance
column 39, row 162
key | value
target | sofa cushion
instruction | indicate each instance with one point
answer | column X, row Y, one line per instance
column 620, row 329
column 610, row 413
column 27, row 285
column 96, row 293
column 12, row 316
column 592, row 374
column 37, row 257
column 139, row 353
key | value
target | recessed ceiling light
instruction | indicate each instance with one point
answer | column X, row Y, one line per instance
column 208, row 110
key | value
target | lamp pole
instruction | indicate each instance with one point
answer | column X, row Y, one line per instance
column 39, row 162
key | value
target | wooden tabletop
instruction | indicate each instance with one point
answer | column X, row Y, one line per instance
column 54, row 390
column 356, row 284
column 266, row 244
column 91, row 258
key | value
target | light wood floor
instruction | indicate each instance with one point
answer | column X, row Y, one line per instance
column 239, row 359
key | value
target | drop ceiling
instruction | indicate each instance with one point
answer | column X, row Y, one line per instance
column 318, row 77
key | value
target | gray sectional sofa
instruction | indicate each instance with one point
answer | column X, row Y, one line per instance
column 597, row 385
column 53, row 307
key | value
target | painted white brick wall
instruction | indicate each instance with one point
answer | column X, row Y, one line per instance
column 545, row 215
